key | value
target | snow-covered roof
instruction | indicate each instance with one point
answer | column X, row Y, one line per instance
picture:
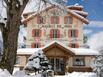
column 85, row 51
column 76, row 51
column 83, row 19
column 27, row 51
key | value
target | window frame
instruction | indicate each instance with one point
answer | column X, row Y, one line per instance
column 68, row 20
column 55, row 33
column 17, row 60
column 79, row 64
column 41, row 19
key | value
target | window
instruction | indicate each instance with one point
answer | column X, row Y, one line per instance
column 78, row 61
column 35, row 45
column 36, row 32
column 17, row 60
column 54, row 33
column 68, row 20
column 73, row 45
column 41, row 19
column 55, row 19
column 73, row 33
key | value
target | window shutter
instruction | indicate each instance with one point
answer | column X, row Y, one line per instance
column 69, row 33
column 70, row 45
column 32, row 45
column 51, row 33
column 76, row 45
column 40, row 45
column 71, row 19
column 33, row 31
column 58, row 19
column 64, row 19
column 58, row 33
column 51, row 19
column 38, row 19
column 76, row 33
column 40, row 33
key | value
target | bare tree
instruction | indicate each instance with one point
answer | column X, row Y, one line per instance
column 10, row 29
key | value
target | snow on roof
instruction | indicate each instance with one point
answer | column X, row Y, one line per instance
column 85, row 51
column 27, row 51
column 76, row 51
column 80, row 12
column 68, row 10
column 74, row 6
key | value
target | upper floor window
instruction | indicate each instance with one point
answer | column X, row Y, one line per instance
column 73, row 45
column 73, row 33
column 36, row 32
column 41, row 19
column 54, row 33
column 68, row 20
column 55, row 19
column 78, row 61
column 35, row 45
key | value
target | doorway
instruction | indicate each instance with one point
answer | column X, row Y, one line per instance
column 58, row 65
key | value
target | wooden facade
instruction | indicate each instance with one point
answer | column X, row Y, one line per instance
column 62, row 59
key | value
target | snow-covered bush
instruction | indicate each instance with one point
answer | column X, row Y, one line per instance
column 37, row 62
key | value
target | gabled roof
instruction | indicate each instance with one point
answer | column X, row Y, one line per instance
column 56, row 44
column 70, row 11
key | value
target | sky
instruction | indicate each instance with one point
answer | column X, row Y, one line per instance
column 95, row 15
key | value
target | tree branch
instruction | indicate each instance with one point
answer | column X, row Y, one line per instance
column 6, row 2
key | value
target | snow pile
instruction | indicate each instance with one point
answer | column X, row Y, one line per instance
column 79, row 74
column 4, row 73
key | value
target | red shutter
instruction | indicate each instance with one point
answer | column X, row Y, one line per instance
column 32, row 45
column 69, row 45
column 76, row 45
column 64, row 19
column 39, row 45
column 51, row 19
column 58, row 19
column 71, row 19
column 40, row 33
column 51, row 33
column 38, row 19
column 33, row 31
column 58, row 33
column 76, row 33
column 69, row 33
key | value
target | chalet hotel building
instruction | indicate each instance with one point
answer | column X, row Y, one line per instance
column 52, row 24
column 59, row 34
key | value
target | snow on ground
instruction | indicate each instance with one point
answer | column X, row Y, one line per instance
column 79, row 74
column 5, row 73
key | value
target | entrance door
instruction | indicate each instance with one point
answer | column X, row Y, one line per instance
column 58, row 65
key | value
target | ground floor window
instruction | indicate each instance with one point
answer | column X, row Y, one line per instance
column 78, row 61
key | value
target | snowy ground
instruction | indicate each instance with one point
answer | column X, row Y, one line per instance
column 5, row 73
